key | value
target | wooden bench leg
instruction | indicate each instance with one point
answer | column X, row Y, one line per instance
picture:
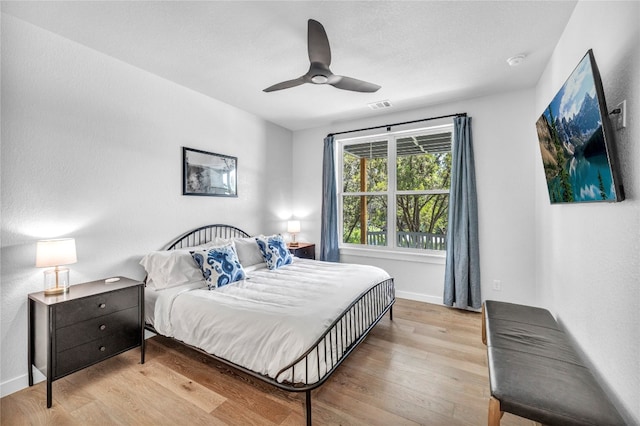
column 495, row 414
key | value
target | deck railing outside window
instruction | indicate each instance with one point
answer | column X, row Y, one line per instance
column 421, row 240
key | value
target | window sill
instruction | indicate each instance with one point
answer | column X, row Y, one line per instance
column 391, row 254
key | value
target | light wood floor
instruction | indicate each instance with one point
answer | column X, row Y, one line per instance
column 427, row 366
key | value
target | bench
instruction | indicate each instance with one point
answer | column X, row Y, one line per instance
column 535, row 373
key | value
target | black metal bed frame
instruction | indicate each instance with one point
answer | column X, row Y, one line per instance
column 331, row 349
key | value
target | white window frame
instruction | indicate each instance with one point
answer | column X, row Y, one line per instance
column 391, row 250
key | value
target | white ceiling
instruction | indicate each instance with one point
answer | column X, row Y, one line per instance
column 420, row 52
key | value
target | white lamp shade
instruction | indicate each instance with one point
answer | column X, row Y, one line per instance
column 293, row 226
column 55, row 252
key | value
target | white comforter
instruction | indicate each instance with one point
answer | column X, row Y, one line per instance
column 268, row 320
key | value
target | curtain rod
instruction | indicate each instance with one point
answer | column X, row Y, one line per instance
column 389, row 126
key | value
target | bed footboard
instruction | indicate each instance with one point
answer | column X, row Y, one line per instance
column 332, row 348
column 340, row 339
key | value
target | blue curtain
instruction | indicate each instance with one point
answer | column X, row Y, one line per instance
column 462, row 270
column 329, row 228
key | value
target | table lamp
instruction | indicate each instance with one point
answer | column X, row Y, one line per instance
column 56, row 253
column 293, row 227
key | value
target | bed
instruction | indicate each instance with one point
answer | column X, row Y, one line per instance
column 290, row 326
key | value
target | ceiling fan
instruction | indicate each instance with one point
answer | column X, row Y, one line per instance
column 319, row 72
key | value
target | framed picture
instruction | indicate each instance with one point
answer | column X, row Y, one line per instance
column 208, row 174
column 576, row 141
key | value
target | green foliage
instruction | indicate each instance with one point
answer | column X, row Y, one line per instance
column 560, row 170
column 426, row 213
column 603, row 192
column 423, row 213
column 376, row 208
column 565, row 185
column 376, row 171
column 425, row 171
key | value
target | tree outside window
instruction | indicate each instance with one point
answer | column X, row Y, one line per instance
column 414, row 172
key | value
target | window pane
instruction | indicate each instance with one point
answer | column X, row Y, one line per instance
column 423, row 164
column 367, row 229
column 421, row 221
column 365, row 167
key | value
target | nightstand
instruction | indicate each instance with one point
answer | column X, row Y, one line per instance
column 303, row 250
column 92, row 322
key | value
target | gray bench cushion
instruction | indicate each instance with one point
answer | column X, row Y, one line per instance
column 522, row 337
column 535, row 373
column 520, row 313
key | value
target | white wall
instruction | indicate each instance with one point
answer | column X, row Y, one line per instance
column 505, row 153
column 91, row 149
column 588, row 255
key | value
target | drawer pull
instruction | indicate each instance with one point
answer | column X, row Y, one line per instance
column 102, row 305
column 103, row 326
column 102, row 349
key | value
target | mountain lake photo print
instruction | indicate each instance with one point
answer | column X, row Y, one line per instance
column 572, row 142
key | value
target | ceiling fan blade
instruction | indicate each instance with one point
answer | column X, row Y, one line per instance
column 318, row 43
column 285, row 85
column 353, row 84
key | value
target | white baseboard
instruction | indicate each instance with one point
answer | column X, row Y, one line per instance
column 19, row 383
column 434, row 300
column 420, row 297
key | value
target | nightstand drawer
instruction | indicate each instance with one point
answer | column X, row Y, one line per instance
column 303, row 250
column 84, row 355
column 97, row 328
column 95, row 306
column 306, row 252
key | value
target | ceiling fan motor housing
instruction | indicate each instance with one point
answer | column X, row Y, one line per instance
column 318, row 73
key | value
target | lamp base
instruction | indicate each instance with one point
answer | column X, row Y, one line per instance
column 293, row 244
column 56, row 281
column 56, row 290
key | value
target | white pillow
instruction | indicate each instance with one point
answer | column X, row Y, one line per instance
column 248, row 251
column 217, row 241
column 170, row 268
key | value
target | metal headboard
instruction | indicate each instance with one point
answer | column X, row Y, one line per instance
column 205, row 234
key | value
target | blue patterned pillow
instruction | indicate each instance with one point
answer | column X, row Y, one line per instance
column 219, row 265
column 274, row 251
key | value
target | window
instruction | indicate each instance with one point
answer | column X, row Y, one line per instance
column 395, row 189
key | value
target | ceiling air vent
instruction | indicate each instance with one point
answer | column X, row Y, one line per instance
column 380, row 104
